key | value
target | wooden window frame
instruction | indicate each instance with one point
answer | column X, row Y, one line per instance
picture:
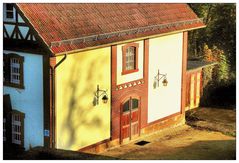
column 22, row 117
column 9, row 11
column 8, row 114
column 124, row 48
column 7, row 58
column 6, row 12
column 4, row 129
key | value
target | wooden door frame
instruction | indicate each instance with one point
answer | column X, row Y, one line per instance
column 192, row 93
column 197, row 90
column 125, row 99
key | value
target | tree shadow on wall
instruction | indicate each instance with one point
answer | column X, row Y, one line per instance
column 75, row 107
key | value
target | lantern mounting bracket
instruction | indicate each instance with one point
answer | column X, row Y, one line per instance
column 159, row 76
column 99, row 92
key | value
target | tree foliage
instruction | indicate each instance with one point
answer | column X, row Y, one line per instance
column 207, row 72
column 214, row 78
column 221, row 70
column 216, row 42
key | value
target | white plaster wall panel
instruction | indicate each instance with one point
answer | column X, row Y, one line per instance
column 20, row 19
column 24, row 31
column 9, row 29
column 132, row 76
column 165, row 54
column 30, row 99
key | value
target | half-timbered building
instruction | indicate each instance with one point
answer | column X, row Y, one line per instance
column 23, row 81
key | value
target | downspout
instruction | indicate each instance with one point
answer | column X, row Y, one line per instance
column 53, row 99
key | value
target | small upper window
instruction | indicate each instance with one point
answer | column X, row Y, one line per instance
column 13, row 70
column 130, row 58
column 9, row 11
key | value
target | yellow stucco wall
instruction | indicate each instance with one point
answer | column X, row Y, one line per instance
column 78, row 122
column 132, row 76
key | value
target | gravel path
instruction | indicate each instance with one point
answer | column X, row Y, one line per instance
column 181, row 143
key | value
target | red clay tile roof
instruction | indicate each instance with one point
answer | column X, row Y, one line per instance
column 70, row 23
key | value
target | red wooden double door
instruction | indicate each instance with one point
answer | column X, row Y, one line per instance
column 130, row 121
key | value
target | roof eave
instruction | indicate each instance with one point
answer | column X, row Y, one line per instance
column 201, row 67
column 126, row 41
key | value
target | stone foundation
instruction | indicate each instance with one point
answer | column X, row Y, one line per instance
column 168, row 122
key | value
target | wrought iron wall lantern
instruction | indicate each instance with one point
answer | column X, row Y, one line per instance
column 100, row 93
column 159, row 76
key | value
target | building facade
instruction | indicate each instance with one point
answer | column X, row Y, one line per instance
column 89, row 82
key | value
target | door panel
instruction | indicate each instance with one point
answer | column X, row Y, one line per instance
column 134, row 130
column 134, row 122
column 125, row 132
column 134, row 116
column 125, row 120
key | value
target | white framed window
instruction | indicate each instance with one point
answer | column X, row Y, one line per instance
column 15, row 70
column 13, row 127
column 130, row 58
column 9, row 12
column 4, row 130
column 16, row 129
